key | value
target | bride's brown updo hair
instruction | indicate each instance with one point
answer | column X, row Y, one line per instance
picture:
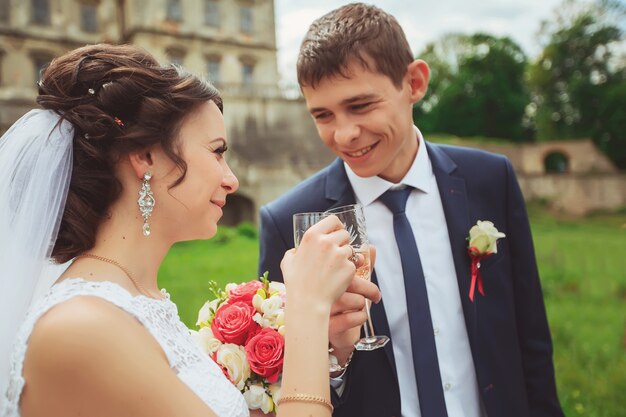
column 119, row 99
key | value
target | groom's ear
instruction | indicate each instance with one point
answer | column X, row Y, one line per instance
column 141, row 161
column 417, row 76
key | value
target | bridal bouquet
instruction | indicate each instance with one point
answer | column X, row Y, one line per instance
column 242, row 330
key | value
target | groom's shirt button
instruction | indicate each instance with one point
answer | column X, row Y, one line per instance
column 436, row 331
column 447, row 386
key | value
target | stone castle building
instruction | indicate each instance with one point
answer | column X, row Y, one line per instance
column 231, row 42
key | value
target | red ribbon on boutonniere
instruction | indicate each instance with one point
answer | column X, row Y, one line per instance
column 483, row 240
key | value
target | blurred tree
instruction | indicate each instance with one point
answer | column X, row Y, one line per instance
column 578, row 83
column 476, row 89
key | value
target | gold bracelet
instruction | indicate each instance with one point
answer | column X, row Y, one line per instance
column 305, row 398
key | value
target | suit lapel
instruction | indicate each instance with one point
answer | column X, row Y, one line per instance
column 456, row 209
column 339, row 193
column 338, row 189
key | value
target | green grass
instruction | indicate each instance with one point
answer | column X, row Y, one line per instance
column 231, row 256
column 583, row 270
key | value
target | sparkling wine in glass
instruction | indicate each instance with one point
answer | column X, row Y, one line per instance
column 353, row 220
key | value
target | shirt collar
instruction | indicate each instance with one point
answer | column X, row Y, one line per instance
column 367, row 190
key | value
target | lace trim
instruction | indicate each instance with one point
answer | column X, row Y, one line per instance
column 160, row 318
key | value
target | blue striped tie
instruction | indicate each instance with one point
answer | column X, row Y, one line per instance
column 429, row 386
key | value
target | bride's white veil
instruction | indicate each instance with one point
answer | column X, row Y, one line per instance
column 35, row 173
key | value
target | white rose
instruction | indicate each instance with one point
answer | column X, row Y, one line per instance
column 206, row 340
column 484, row 236
column 256, row 398
column 230, row 286
column 207, row 312
column 233, row 358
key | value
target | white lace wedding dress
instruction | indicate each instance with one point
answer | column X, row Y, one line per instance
column 160, row 318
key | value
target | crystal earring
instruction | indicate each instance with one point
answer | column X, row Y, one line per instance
column 146, row 202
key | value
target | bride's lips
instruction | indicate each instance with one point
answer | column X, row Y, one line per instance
column 219, row 204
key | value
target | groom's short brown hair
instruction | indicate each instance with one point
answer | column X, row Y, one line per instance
column 354, row 32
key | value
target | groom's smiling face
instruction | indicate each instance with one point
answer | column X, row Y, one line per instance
column 366, row 120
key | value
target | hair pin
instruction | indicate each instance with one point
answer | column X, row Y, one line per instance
column 119, row 122
column 91, row 91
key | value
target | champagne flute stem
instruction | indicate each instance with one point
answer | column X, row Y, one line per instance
column 368, row 327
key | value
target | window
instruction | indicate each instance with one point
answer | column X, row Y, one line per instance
column 1, row 59
column 5, row 11
column 248, row 74
column 245, row 19
column 89, row 17
column 40, row 62
column 213, row 70
column 40, row 12
column 211, row 13
column 176, row 55
column 174, row 11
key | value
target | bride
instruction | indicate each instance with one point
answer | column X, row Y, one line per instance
column 124, row 159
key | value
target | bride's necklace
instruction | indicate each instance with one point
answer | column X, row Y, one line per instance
column 136, row 283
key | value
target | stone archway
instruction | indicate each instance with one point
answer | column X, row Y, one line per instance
column 556, row 162
column 238, row 209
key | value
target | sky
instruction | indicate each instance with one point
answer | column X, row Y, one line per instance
column 423, row 21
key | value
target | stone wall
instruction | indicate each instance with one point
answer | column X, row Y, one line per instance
column 590, row 182
column 576, row 194
column 582, row 156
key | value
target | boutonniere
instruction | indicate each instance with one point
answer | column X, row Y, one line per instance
column 483, row 238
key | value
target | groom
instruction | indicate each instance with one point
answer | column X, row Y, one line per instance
column 449, row 355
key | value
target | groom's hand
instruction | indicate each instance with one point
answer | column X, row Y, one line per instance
column 348, row 314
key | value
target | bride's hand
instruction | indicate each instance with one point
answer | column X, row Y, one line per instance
column 319, row 270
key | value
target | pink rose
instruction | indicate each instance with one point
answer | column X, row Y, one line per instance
column 265, row 353
column 244, row 292
column 233, row 323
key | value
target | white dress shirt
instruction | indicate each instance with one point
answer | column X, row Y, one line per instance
column 425, row 213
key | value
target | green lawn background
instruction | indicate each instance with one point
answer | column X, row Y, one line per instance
column 582, row 264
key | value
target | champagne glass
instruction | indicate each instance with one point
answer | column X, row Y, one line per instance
column 302, row 222
column 353, row 220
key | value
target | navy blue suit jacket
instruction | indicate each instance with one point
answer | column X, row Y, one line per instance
column 507, row 328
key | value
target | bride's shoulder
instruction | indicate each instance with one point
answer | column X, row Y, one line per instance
column 84, row 326
column 88, row 351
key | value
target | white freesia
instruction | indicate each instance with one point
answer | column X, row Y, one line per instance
column 279, row 319
column 277, row 287
column 257, row 302
column 207, row 312
column 256, row 398
column 271, row 306
column 275, row 390
column 484, row 237
column 230, row 286
column 206, row 340
column 258, row 318
column 233, row 358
